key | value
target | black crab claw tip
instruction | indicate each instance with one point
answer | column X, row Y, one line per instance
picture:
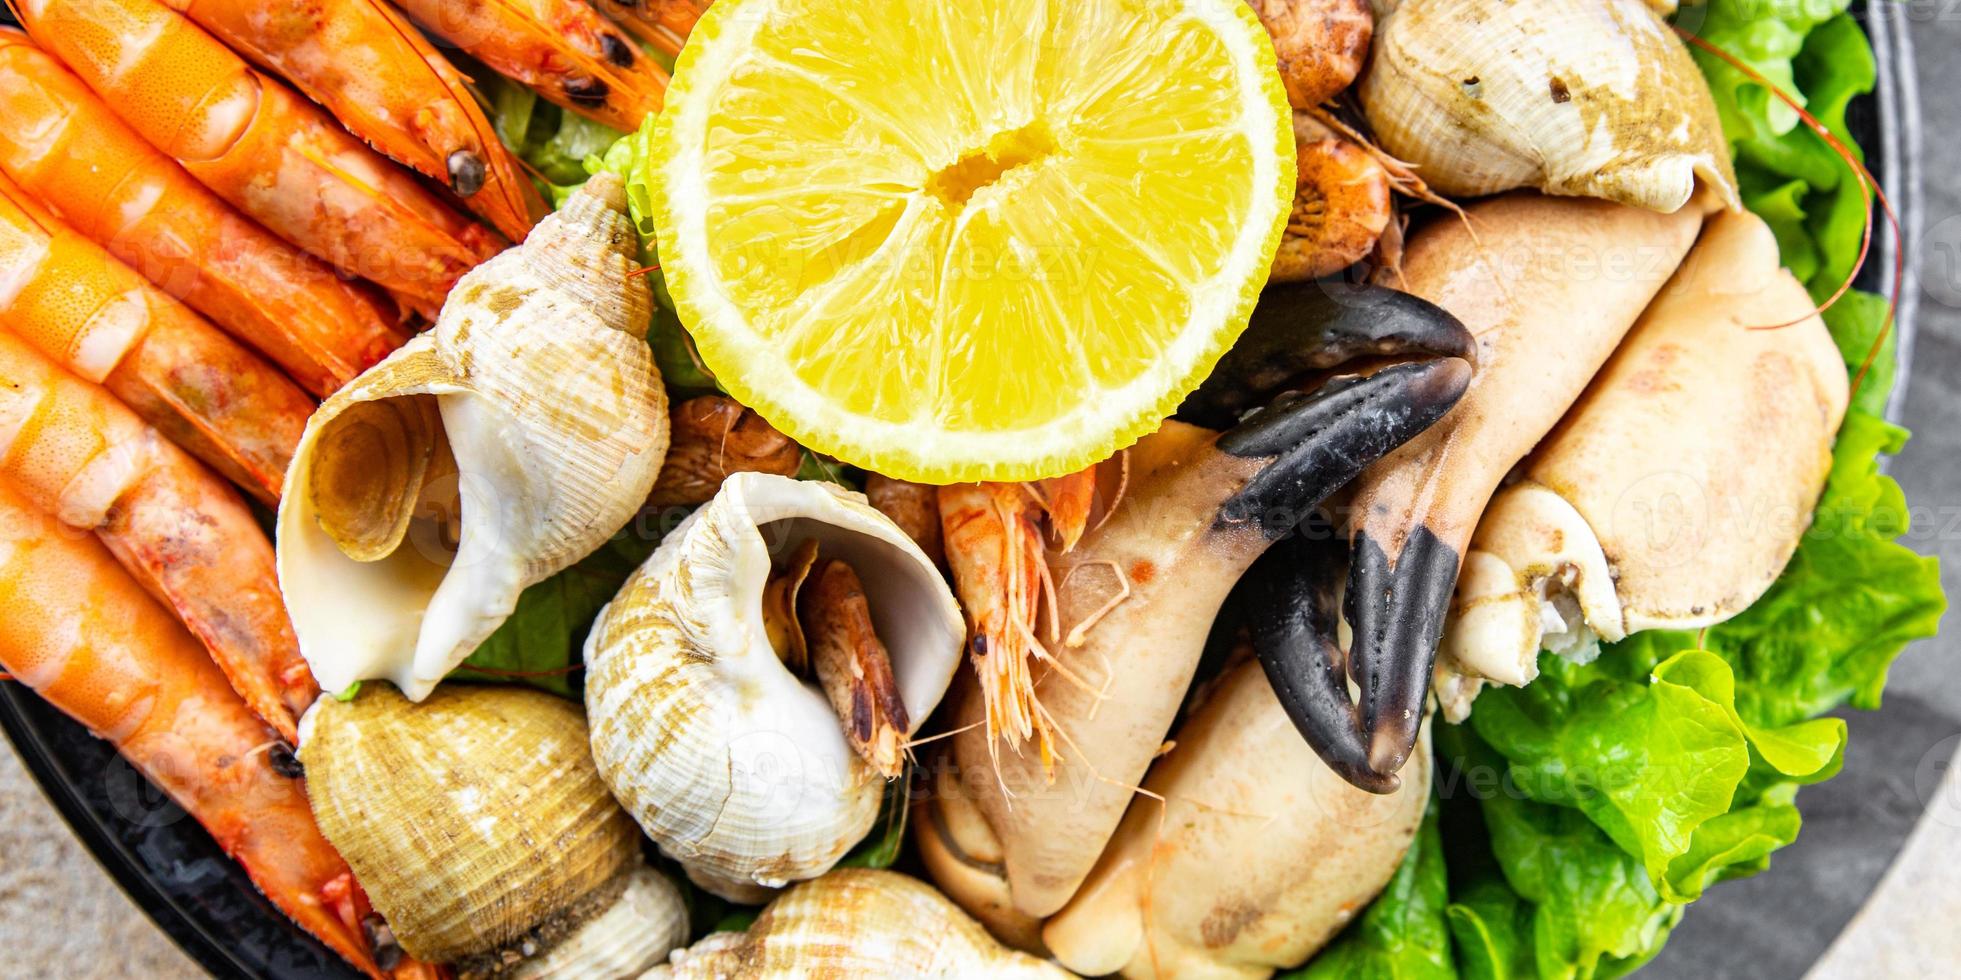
column 1321, row 440
column 466, row 172
column 1396, row 606
column 1306, row 327
column 1290, row 604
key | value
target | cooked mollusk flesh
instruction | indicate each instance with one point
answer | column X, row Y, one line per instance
column 1319, row 44
column 1542, row 334
column 492, row 451
column 1661, row 505
column 1589, row 98
column 1258, row 855
column 1341, row 205
column 475, row 820
column 1136, row 597
column 733, row 756
column 964, row 857
column 712, row 436
column 856, row 922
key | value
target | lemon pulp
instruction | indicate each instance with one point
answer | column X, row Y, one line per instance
column 954, row 242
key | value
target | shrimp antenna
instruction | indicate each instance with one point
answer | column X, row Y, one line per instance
column 1869, row 188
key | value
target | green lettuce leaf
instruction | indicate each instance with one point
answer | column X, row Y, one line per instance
column 542, row 641
column 553, row 142
column 1650, row 760
column 881, row 849
column 1403, row 935
column 1556, row 897
column 1767, row 35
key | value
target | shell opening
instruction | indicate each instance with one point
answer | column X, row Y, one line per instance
column 831, row 621
column 902, row 592
column 438, row 543
column 372, row 469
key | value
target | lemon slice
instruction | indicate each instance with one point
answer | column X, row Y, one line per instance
column 957, row 241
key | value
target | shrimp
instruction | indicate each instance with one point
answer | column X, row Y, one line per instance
column 68, row 150
column 563, row 49
column 386, row 82
column 76, row 454
column 1068, row 500
column 994, row 549
column 82, row 633
column 271, row 154
column 98, row 318
column 665, row 24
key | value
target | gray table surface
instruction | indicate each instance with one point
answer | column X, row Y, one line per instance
column 61, row 916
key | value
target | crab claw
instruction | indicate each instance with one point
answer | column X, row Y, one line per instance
column 1135, row 599
column 1653, row 506
column 1294, row 591
column 1543, row 331
column 1303, row 328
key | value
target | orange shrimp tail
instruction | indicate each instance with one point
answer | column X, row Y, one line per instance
column 83, row 634
column 1069, row 500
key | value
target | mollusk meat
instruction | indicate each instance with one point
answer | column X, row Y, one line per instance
column 489, row 453
column 475, row 820
column 739, row 765
column 1588, row 98
column 1675, row 490
column 856, row 922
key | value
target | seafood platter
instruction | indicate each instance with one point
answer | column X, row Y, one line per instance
column 786, row 488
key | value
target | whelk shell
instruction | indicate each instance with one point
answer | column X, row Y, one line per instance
column 735, row 765
column 492, row 451
column 1589, row 98
column 475, row 820
column 855, row 922
column 649, row 921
